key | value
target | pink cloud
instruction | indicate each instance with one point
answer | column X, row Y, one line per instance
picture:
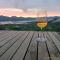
column 21, row 12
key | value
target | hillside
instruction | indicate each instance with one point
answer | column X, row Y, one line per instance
column 53, row 24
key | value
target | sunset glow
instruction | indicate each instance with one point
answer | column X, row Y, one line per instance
column 21, row 13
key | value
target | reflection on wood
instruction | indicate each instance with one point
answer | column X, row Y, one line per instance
column 22, row 45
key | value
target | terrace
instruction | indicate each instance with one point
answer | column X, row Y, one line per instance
column 29, row 45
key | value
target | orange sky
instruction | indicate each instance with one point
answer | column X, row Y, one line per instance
column 20, row 12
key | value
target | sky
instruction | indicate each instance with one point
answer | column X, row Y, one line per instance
column 29, row 7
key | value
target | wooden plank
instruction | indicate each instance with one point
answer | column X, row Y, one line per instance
column 53, row 51
column 3, row 32
column 24, row 47
column 56, row 35
column 42, row 49
column 9, row 44
column 57, row 42
column 7, row 35
column 10, row 53
column 11, row 36
column 3, row 36
column 32, row 51
column 22, row 50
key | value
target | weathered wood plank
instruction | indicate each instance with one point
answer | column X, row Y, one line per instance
column 7, row 35
column 3, row 36
column 10, row 53
column 56, row 35
column 53, row 51
column 2, row 33
column 6, row 40
column 22, row 45
column 57, row 42
column 22, row 50
column 32, row 51
column 9, row 44
column 42, row 48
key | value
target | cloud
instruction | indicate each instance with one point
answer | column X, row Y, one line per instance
column 11, row 9
column 25, row 13
column 50, row 5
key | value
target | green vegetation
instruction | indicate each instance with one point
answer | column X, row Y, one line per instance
column 31, row 27
column 54, row 26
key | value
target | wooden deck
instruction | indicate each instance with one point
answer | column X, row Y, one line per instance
column 29, row 45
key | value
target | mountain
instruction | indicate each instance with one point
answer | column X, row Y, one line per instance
column 9, row 23
column 14, row 19
column 55, row 19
